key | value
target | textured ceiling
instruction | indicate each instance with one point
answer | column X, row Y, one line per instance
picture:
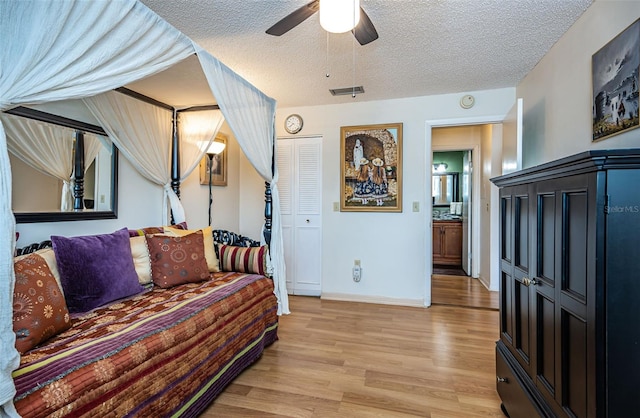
column 425, row 47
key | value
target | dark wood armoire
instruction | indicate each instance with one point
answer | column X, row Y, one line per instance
column 570, row 287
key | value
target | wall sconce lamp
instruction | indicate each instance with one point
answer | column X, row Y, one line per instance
column 212, row 148
column 339, row 16
column 440, row 167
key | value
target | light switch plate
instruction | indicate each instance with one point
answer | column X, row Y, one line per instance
column 416, row 206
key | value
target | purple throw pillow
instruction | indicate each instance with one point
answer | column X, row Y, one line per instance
column 95, row 269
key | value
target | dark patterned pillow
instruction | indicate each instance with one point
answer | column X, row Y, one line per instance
column 39, row 308
column 177, row 260
column 150, row 230
column 244, row 259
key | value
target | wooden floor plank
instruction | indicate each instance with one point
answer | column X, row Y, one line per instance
column 345, row 359
column 462, row 291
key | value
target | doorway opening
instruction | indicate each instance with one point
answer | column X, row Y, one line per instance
column 473, row 205
column 451, row 186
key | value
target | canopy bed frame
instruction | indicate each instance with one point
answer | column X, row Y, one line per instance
column 114, row 43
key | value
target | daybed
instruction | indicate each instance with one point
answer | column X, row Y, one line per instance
column 163, row 352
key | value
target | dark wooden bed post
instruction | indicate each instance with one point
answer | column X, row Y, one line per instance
column 268, row 199
column 78, row 172
column 175, row 158
column 268, row 216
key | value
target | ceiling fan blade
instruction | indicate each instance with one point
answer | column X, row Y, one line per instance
column 294, row 19
column 365, row 32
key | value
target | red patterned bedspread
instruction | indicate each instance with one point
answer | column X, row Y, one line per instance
column 166, row 352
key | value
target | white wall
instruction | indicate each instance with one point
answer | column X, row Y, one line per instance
column 393, row 247
column 557, row 92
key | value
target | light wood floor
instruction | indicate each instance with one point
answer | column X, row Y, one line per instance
column 462, row 291
column 345, row 359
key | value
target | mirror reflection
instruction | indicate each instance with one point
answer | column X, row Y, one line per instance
column 61, row 169
column 444, row 188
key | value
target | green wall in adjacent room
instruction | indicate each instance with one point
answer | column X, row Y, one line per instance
column 452, row 158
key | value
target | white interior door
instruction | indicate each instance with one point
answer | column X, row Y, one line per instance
column 467, row 200
column 299, row 165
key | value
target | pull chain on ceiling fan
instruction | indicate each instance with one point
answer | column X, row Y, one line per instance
column 364, row 31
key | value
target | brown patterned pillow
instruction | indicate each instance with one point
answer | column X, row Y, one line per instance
column 39, row 308
column 177, row 260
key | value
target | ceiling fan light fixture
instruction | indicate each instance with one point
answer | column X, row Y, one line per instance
column 339, row 16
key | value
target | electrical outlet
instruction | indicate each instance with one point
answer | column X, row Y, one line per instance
column 357, row 273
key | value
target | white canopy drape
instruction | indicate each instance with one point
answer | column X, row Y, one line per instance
column 195, row 127
column 251, row 116
column 142, row 132
column 46, row 148
column 92, row 147
column 73, row 49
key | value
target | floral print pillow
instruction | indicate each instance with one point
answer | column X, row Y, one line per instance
column 39, row 307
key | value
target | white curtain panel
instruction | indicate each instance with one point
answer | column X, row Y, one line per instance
column 57, row 50
column 142, row 132
column 92, row 147
column 10, row 358
column 45, row 147
column 251, row 116
column 195, row 127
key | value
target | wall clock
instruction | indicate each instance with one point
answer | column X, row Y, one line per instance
column 293, row 124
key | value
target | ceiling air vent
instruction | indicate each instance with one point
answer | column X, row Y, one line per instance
column 347, row 91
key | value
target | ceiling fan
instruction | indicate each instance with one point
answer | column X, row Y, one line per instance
column 364, row 32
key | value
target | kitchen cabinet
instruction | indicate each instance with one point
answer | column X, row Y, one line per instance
column 447, row 242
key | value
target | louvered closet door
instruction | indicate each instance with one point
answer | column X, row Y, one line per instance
column 300, row 185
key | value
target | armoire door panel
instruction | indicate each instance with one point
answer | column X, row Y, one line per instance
column 521, row 239
column 506, row 228
column 522, row 322
column 506, row 305
column 546, row 238
column 546, row 344
column 574, row 243
column 574, row 364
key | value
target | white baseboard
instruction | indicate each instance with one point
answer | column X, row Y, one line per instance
column 486, row 284
column 345, row 297
column 306, row 292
